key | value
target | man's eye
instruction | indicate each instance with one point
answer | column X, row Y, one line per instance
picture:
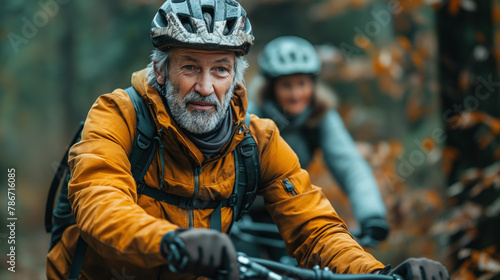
column 222, row 69
column 188, row 67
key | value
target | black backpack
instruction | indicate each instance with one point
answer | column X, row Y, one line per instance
column 247, row 170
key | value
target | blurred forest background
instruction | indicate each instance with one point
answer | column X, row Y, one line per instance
column 416, row 81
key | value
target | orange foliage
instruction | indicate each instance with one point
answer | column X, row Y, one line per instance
column 429, row 144
column 411, row 5
column 390, row 87
column 404, row 42
column 382, row 63
column 480, row 38
column 453, row 7
column 450, row 154
column 495, row 13
column 418, row 59
column 413, row 110
column 435, row 5
column 464, row 80
column 357, row 4
column 470, row 213
column 363, row 42
column 469, row 119
column 478, row 261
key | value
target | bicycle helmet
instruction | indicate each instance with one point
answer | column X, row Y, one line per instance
column 204, row 24
column 288, row 55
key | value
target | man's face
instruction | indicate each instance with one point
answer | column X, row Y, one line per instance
column 199, row 87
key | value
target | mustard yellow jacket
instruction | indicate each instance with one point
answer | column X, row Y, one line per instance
column 124, row 229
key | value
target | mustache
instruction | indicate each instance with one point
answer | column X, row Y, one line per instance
column 197, row 97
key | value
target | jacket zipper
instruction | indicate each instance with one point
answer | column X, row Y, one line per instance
column 289, row 187
column 197, row 172
column 198, row 169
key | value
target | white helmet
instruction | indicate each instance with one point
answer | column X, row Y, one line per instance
column 202, row 24
column 288, row 55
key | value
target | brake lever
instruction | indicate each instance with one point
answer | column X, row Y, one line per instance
column 253, row 270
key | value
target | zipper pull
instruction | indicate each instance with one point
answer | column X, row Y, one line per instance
column 289, row 187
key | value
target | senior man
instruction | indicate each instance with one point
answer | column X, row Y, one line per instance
column 194, row 92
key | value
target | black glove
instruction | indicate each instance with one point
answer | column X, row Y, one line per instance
column 376, row 228
column 201, row 252
column 421, row 269
column 373, row 230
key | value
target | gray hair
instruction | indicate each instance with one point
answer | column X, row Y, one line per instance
column 161, row 60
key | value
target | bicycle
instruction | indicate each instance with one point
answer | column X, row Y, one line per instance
column 255, row 268
column 257, row 239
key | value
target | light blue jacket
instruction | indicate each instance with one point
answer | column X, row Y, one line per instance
column 346, row 164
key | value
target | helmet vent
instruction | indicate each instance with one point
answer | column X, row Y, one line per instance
column 305, row 58
column 282, row 59
column 230, row 23
column 208, row 16
column 162, row 18
column 186, row 22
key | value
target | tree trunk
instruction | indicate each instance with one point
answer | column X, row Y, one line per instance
column 468, row 77
column 470, row 111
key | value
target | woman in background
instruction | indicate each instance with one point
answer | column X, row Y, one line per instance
column 304, row 114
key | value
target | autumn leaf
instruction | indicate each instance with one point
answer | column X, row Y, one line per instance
column 404, row 42
column 450, row 154
column 454, row 7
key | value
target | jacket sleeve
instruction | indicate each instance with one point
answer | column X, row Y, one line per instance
column 312, row 230
column 102, row 191
column 350, row 169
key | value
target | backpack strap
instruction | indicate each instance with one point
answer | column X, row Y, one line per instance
column 186, row 203
column 144, row 144
column 247, row 178
column 247, row 164
column 78, row 258
column 143, row 151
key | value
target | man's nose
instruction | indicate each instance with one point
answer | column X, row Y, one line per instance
column 204, row 84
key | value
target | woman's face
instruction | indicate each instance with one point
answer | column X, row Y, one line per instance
column 294, row 92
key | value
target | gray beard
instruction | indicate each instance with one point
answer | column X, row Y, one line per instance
column 196, row 121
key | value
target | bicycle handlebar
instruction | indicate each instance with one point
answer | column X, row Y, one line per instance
column 267, row 234
column 254, row 268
